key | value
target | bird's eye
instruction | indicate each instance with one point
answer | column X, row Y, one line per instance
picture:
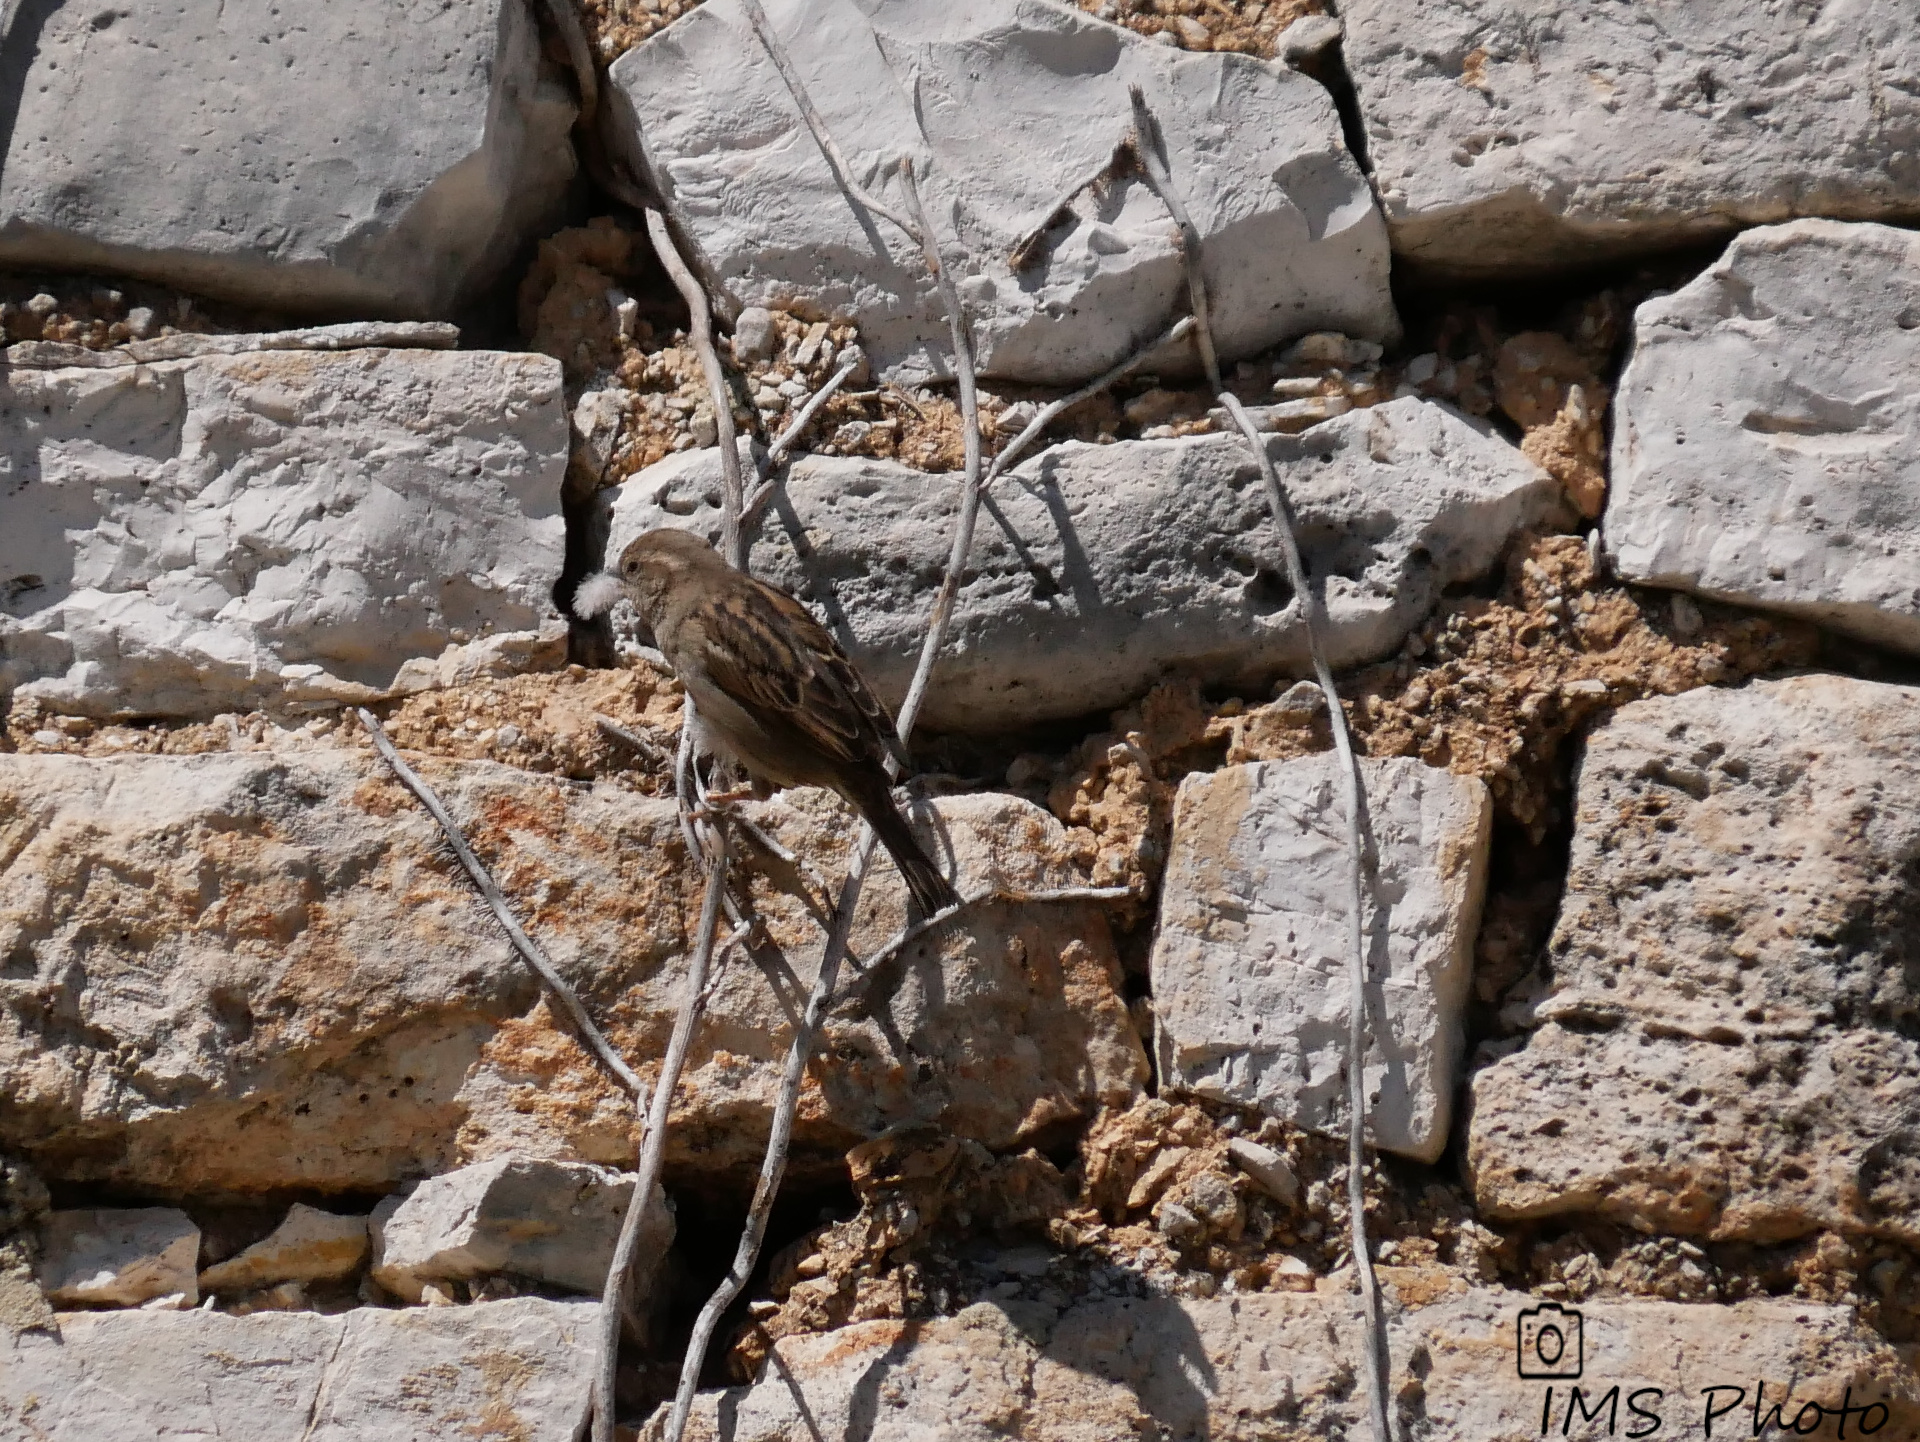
column 633, row 568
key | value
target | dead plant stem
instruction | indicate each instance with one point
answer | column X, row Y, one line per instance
column 1353, row 794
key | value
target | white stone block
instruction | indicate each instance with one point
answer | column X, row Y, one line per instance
column 1766, row 442
column 1726, row 1048
column 520, row 1368
column 309, row 1246
column 271, row 528
column 354, row 156
column 554, row 1222
column 1250, row 959
column 1099, row 569
column 1010, row 110
column 118, row 1257
column 1516, row 135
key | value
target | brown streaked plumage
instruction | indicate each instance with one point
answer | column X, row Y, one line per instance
column 772, row 689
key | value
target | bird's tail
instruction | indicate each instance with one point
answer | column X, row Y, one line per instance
column 930, row 890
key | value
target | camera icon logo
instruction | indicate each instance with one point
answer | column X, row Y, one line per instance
column 1552, row 1342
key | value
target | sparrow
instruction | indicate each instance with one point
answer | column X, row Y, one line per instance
column 770, row 687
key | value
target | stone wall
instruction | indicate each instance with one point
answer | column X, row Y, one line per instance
column 1580, row 338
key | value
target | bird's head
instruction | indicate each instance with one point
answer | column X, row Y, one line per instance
column 653, row 568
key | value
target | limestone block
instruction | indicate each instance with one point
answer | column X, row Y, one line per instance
column 1271, row 1364
column 309, row 1246
column 1767, row 432
column 1522, row 135
column 554, row 1222
column 348, row 157
column 519, row 1368
column 118, row 1257
column 1011, row 111
column 1098, row 569
column 271, row 528
column 249, row 971
column 1726, row 1046
column 1250, row 959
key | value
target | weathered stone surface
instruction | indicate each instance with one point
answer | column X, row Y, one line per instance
column 118, row 1257
column 355, row 158
column 248, row 971
column 519, row 1368
column 554, row 1222
column 271, row 528
column 1515, row 135
column 1010, row 110
column 1767, row 433
column 1269, row 1365
column 1100, row 568
column 309, row 1246
column 1250, row 958
column 1726, row 1047
column 347, row 335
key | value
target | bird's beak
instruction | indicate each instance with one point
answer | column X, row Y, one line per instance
column 597, row 595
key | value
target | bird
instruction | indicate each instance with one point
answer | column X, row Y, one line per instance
column 770, row 687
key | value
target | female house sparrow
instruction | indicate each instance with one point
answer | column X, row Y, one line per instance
column 769, row 686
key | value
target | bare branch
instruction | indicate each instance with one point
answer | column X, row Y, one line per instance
column 1153, row 160
column 700, row 331
column 774, row 1165
column 566, row 19
column 1353, row 788
column 778, row 455
column 1005, row 461
column 843, row 172
column 646, row 750
column 563, row 995
column 949, row 593
column 653, row 1144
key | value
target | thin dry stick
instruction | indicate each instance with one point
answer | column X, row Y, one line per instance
column 700, row 331
column 653, row 1145
column 563, row 995
column 778, row 455
column 646, row 750
column 1024, row 249
column 1004, row 462
column 822, row 137
column 949, row 592
column 907, row 936
column 1154, row 161
column 773, row 1166
column 1352, row 792
column 566, row 19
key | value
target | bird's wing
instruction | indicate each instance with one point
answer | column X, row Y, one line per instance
column 770, row 656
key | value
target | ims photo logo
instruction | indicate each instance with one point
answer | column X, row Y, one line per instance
column 1552, row 1342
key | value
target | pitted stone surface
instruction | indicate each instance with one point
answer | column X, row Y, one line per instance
column 348, row 157
column 1767, row 431
column 1250, row 957
column 1726, row 1047
column 250, row 971
column 1263, row 1365
column 1010, row 111
column 272, row 528
column 1509, row 136
column 519, row 1368
column 1098, row 569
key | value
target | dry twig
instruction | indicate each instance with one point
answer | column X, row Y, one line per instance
column 1005, row 461
column 646, row 750
column 653, row 1143
column 1353, row 795
column 563, row 995
column 1024, row 250
column 700, row 332
column 969, row 513
column 777, row 456
column 1153, row 160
